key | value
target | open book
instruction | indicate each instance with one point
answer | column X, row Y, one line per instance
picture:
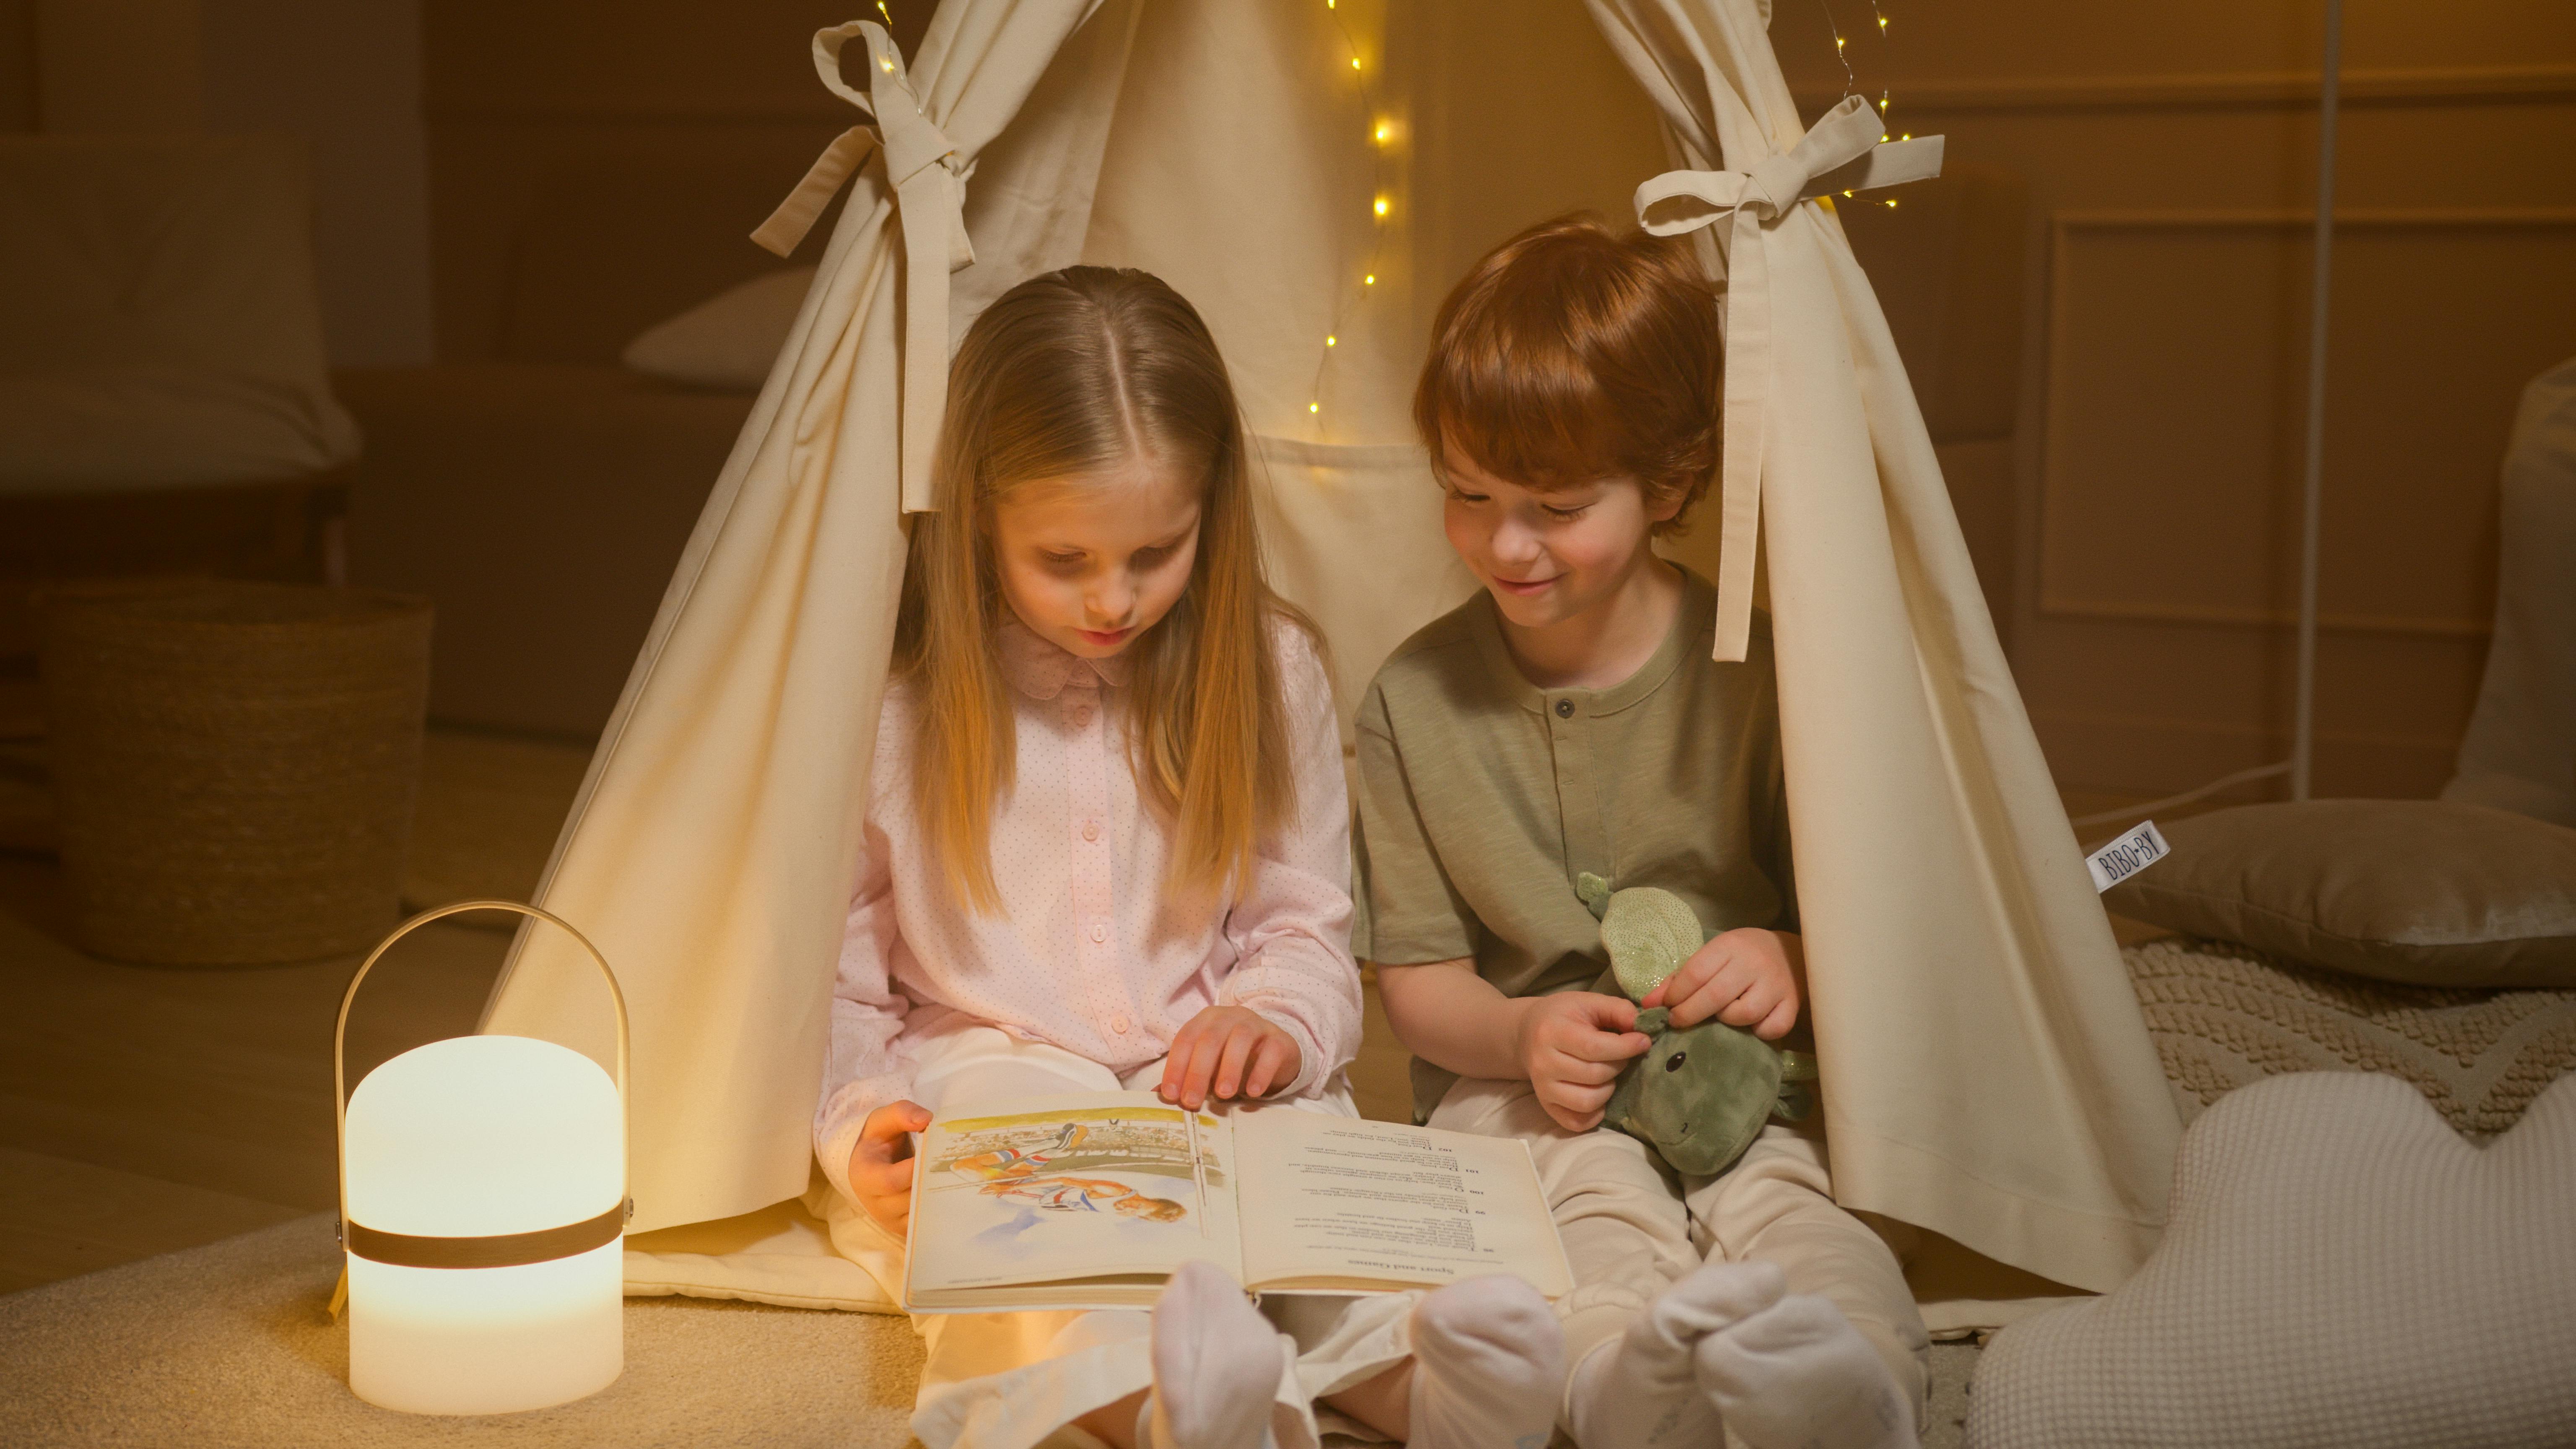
column 1091, row 1201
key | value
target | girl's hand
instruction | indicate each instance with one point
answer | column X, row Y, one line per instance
column 1227, row 1051
column 1572, row 1045
column 881, row 1165
column 1745, row 977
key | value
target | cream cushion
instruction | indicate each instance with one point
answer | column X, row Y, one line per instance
column 2341, row 1271
column 728, row 341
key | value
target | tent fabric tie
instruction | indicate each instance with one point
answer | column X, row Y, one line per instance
column 1844, row 151
column 930, row 202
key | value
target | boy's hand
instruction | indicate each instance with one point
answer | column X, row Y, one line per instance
column 1572, row 1045
column 1227, row 1051
column 1745, row 977
column 881, row 1165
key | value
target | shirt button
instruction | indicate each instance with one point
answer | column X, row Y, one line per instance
column 1119, row 1024
column 1099, row 932
column 1091, row 830
column 1565, row 709
column 1082, row 714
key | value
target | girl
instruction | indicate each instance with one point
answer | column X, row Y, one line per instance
column 1107, row 845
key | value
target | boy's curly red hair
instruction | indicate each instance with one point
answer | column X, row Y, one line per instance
column 1571, row 353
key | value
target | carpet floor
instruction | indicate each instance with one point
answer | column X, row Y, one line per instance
column 227, row 1346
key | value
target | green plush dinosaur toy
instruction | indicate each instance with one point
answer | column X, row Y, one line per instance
column 1700, row 1095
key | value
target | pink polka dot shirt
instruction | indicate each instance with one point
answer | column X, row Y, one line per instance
column 1090, row 952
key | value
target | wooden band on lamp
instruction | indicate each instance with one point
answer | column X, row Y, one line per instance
column 500, row 1250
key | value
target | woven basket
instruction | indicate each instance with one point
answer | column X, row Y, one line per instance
column 234, row 765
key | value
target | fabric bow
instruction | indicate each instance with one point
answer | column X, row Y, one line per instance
column 1844, row 151
column 930, row 201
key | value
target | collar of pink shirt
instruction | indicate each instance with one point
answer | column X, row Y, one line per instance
column 1041, row 669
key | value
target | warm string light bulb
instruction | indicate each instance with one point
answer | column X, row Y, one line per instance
column 1381, row 133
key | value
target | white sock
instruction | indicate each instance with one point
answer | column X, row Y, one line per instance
column 1643, row 1390
column 1797, row 1375
column 1217, row 1363
column 1488, row 1365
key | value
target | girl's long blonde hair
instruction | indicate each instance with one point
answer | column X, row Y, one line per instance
column 1063, row 376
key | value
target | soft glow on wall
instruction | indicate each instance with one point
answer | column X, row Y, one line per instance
column 483, row 1208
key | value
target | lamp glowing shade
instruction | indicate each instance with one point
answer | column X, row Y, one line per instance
column 482, row 1149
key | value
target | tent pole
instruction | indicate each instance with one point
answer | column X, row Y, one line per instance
column 2303, row 734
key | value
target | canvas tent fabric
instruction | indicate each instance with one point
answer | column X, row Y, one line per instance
column 1987, row 1073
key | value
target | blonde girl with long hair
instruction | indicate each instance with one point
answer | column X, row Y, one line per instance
column 1107, row 845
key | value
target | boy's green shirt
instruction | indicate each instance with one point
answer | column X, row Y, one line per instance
column 1482, row 797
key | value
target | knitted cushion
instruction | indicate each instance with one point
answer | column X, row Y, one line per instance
column 2341, row 1271
column 2223, row 1016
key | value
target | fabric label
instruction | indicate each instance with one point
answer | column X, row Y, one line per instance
column 2126, row 856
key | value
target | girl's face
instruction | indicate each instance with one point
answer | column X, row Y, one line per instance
column 1090, row 563
column 1548, row 557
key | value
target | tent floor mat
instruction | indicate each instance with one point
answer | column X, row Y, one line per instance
column 226, row 1347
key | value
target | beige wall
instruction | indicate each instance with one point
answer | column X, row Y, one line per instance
column 2169, row 151
column 544, row 116
column 343, row 76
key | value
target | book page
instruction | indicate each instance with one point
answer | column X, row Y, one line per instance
column 1098, row 1186
column 1338, row 1203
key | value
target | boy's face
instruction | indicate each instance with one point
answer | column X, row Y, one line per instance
column 1548, row 557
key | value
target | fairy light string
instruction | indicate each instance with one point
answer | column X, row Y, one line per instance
column 1381, row 137
column 1851, row 82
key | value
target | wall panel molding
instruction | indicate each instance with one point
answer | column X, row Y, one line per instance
column 2066, row 589
column 2250, row 90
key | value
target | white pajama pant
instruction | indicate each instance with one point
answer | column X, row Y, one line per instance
column 1632, row 1228
column 1012, row 1380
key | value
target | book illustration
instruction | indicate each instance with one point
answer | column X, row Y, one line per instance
column 1091, row 1200
column 1142, row 1166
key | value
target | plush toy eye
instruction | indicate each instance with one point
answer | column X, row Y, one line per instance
column 1674, row 1062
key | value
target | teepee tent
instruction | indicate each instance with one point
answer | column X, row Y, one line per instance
column 1987, row 1074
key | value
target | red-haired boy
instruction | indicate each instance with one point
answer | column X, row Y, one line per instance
column 1568, row 720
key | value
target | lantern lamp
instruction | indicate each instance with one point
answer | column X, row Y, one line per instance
column 483, row 1212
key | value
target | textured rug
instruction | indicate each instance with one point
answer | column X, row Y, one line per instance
column 227, row 1347
column 2224, row 1015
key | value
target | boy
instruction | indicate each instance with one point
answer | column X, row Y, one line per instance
column 1569, row 719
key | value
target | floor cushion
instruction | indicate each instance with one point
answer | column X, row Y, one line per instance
column 2427, row 892
column 2341, row 1271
